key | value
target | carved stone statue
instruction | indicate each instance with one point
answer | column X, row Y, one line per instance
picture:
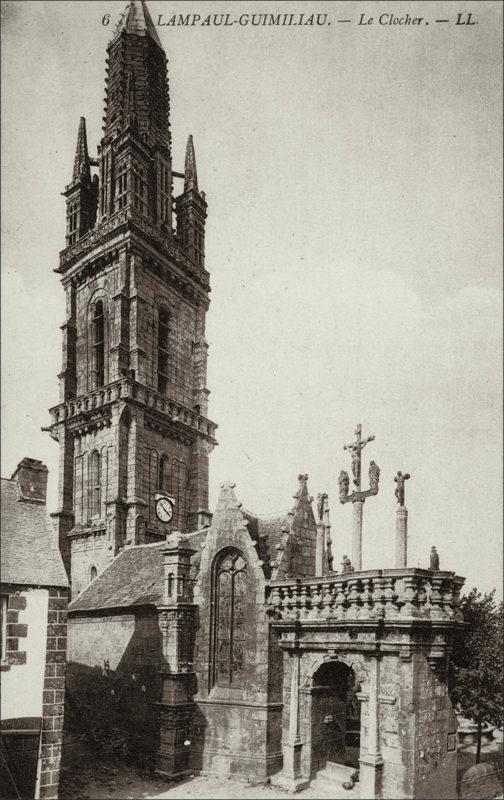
column 321, row 498
column 374, row 475
column 344, row 483
column 346, row 565
column 399, row 490
column 434, row 559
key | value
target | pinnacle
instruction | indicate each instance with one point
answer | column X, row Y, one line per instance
column 137, row 20
column 191, row 175
column 81, row 162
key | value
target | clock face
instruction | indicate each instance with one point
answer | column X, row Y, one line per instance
column 164, row 509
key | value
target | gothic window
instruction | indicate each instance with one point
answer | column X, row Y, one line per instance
column 98, row 324
column 165, row 194
column 139, row 190
column 73, row 221
column 163, row 331
column 4, row 599
column 104, row 184
column 199, row 243
column 94, row 484
column 230, row 593
column 121, row 186
column 93, row 572
column 163, row 474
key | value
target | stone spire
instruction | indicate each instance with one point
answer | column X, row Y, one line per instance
column 190, row 173
column 136, row 66
column 81, row 163
column 137, row 20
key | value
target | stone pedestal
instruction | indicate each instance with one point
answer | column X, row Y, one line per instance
column 401, row 555
column 319, row 552
column 290, row 777
column 371, row 777
column 175, row 721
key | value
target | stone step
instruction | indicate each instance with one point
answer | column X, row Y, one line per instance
column 327, row 787
column 334, row 774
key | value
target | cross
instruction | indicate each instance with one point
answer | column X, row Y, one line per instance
column 355, row 450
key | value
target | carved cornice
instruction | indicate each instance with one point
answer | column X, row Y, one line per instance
column 89, row 421
column 123, row 222
column 156, row 421
column 94, row 409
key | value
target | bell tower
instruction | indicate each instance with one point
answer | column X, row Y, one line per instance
column 132, row 421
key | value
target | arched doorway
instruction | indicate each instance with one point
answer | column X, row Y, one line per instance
column 335, row 717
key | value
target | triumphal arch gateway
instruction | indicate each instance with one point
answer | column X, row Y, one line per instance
column 222, row 642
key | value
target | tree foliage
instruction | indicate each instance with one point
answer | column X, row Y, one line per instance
column 477, row 660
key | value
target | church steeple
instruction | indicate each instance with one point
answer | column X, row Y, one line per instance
column 132, row 421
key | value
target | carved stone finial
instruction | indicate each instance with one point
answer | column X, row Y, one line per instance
column 81, row 168
column 399, row 490
column 321, row 498
column 434, row 559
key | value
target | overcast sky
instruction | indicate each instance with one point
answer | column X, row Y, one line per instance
column 353, row 179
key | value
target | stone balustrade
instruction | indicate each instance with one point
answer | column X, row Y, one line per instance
column 126, row 388
column 390, row 594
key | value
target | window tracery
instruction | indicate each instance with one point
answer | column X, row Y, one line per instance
column 230, row 594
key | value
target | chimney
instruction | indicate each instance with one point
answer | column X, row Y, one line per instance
column 32, row 478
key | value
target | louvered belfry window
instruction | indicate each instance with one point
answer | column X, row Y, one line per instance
column 163, row 331
column 229, row 632
column 99, row 344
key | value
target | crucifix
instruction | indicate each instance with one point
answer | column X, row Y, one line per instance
column 358, row 496
column 355, row 449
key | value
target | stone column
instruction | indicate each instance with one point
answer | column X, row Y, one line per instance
column 319, row 552
column 371, row 764
column 290, row 777
column 358, row 506
column 401, row 537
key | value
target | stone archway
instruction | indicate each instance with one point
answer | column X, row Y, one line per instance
column 330, row 717
column 332, row 683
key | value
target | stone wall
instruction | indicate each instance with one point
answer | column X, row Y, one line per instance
column 435, row 733
column 33, row 682
column 113, row 682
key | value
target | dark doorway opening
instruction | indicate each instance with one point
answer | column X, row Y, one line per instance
column 335, row 717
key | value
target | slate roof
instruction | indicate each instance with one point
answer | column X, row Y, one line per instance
column 29, row 551
column 134, row 578
column 267, row 532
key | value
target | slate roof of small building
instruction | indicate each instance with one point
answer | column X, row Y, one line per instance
column 133, row 578
column 29, row 551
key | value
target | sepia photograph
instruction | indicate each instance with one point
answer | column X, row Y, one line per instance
column 251, row 400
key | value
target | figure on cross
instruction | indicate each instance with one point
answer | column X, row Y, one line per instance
column 355, row 450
